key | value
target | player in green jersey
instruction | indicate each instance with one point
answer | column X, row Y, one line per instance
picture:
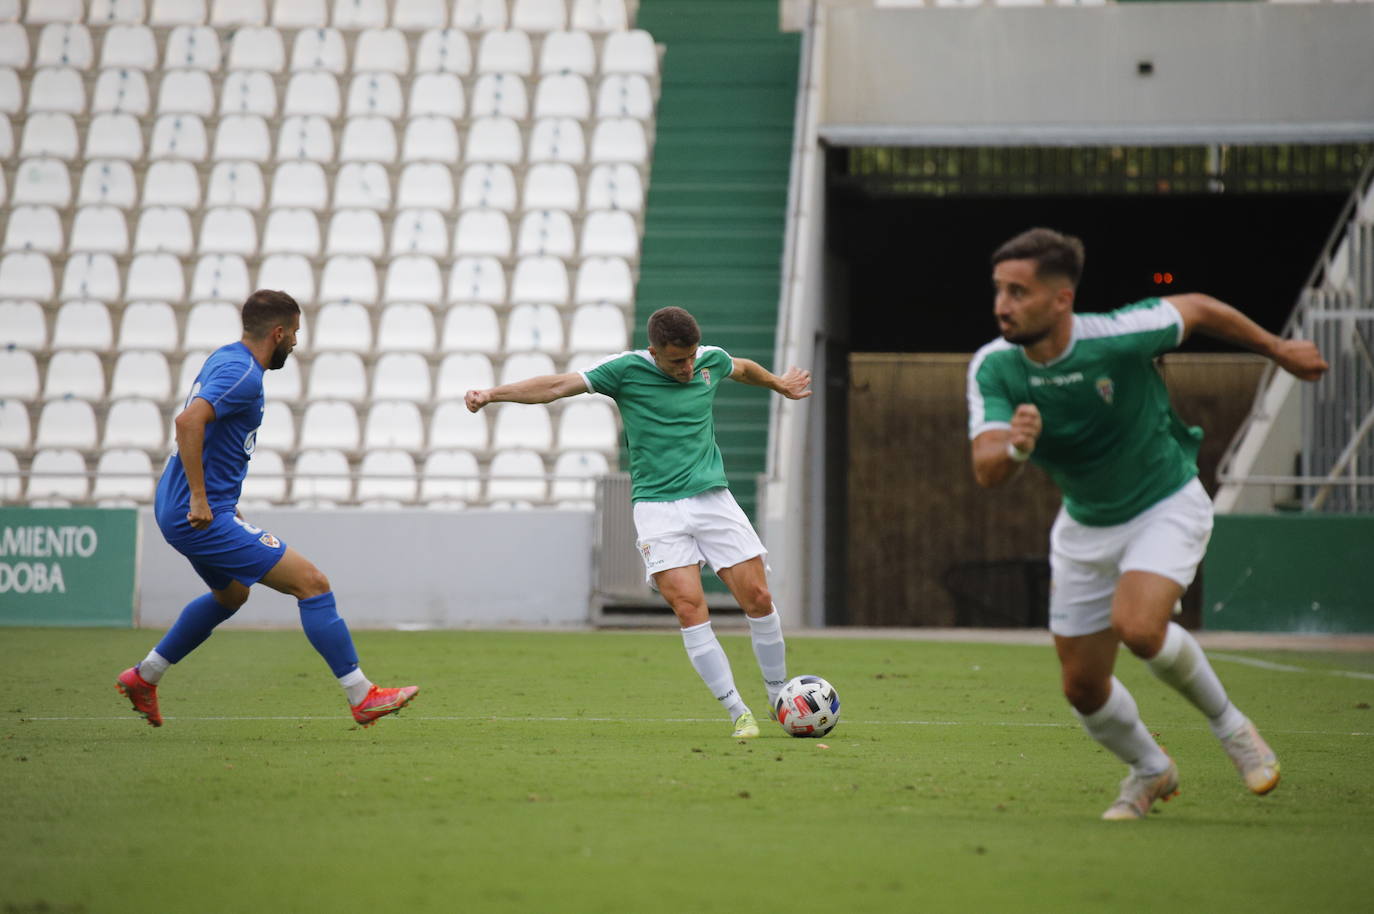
column 1080, row 396
column 684, row 513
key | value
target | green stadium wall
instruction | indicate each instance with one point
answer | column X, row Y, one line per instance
column 1290, row 573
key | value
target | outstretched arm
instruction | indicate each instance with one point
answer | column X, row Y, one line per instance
column 543, row 389
column 1206, row 314
column 795, row 384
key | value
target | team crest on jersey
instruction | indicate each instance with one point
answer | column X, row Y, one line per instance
column 706, row 376
column 270, row 541
column 1106, row 390
column 644, row 548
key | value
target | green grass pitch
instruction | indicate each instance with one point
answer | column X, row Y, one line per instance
column 591, row 772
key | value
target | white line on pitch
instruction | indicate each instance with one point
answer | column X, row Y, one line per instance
column 1284, row 667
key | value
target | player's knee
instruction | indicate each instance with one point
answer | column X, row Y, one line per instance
column 689, row 612
column 313, row 583
column 232, row 597
column 757, row 601
column 1141, row 638
column 1086, row 695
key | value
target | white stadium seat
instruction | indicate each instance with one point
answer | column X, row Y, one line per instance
column 539, row 15
column 540, row 278
column 386, row 478
column 257, row 48
column 497, row 95
column 625, row 95
column 171, row 182
column 406, row 328
column 290, row 272
column 14, row 45
column 517, row 474
column 54, row 135
column 381, row 50
column 121, row 91
column 210, row 325
column 158, row 277
column 278, row 429
column 379, row 95
column 588, row 425
column 480, row 15
column 444, row 51
column 319, row 49
column 238, row 12
column 83, row 325
column 630, row 52
column 129, row 45
column 73, row 373
column 401, row 376
column 91, row 275
column 489, row 185
column 437, row 93
column 460, row 372
column 359, row 14
column 449, row 477
column 534, row 327
column 558, row 139
column 477, row 279
column 235, row 184
column 610, row 233
column 338, row 376
column 563, row 95
column 343, row 327
column 482, row 231
column 505, row 52
column 44, row 181
column 293, row 14
column 305, row 137
column 291, row 231
column 599, row 15
column 141, row 374
column 11, row 94
column 552, row 185
column 11, row 485
column 284, row 385
column 414, row 15
column 177, row 12
column 604, row 279
column 615, row 186
column 300, row 184
column 68, row 423
column 414, row 278
column 452, row 425
column 567, row 52
column 419, row 231
column 228, row 230
column 193, row 47
column 164, row 228
column 355, row 231
column 57, row 89
column 521, row 365
column 15, row 430
column 18, row 375
column 598, row 328
column 223, row 277
column 243, row 136
column 7, row 137
column 64, row 42
column 266, row 479
column 312, row 92
column 109, row 182
column 107, row 12
column 349, row 278
column 575, row 473
column 57, row 474
column 329, row 423
column 432, row 139
column 123, row 475
column 321, row 478
column 24, row 326
column 179, row 136
column 546, row 231
column 26, row 274
column 425, row 184
column 99, row 228
column 471, row 328
column 494, row 139
column 248, row 92
column 620, row 139
column 134, row 422
column 34, row 228
column 148, row 325
column 368, row 139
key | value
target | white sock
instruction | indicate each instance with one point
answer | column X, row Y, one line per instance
column 711, row 664
column 771, row 652
column 1182, row 664
column 355, row 685
column 1117, row 726
column 152, row 667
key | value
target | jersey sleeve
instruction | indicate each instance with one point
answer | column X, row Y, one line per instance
column 230, row 386
column 1151, row 327
column 718, row 359
column 989, row 400
column 604, row 377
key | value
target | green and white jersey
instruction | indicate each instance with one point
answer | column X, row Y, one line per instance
column 670, row 426
column 1111, row 441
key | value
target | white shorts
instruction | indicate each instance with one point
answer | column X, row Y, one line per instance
column 1169, row 539
column 709, row 528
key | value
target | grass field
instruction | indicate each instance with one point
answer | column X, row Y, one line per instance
column 592, row 772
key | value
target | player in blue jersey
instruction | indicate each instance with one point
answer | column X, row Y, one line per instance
column 1080, row 396
column 197, row 511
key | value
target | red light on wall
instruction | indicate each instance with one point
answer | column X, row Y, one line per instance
column 1164, row 279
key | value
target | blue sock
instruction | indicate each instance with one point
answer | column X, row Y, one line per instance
column 328, row 633
column 192, row 627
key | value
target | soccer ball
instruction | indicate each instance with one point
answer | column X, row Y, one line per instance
column 808, row 706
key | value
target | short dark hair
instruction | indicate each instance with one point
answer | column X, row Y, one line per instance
column 673, row 326
column 266, row 309
column 1055, row 254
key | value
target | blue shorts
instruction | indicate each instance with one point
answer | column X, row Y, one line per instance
column 230, row 549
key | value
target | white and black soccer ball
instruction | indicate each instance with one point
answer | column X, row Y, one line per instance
column 807, row 706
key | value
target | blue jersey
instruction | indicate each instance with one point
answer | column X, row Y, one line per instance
column 231, row 382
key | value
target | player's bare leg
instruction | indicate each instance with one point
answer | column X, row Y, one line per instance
column 681, row 588
column 1141, row 612
column 748, row 582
